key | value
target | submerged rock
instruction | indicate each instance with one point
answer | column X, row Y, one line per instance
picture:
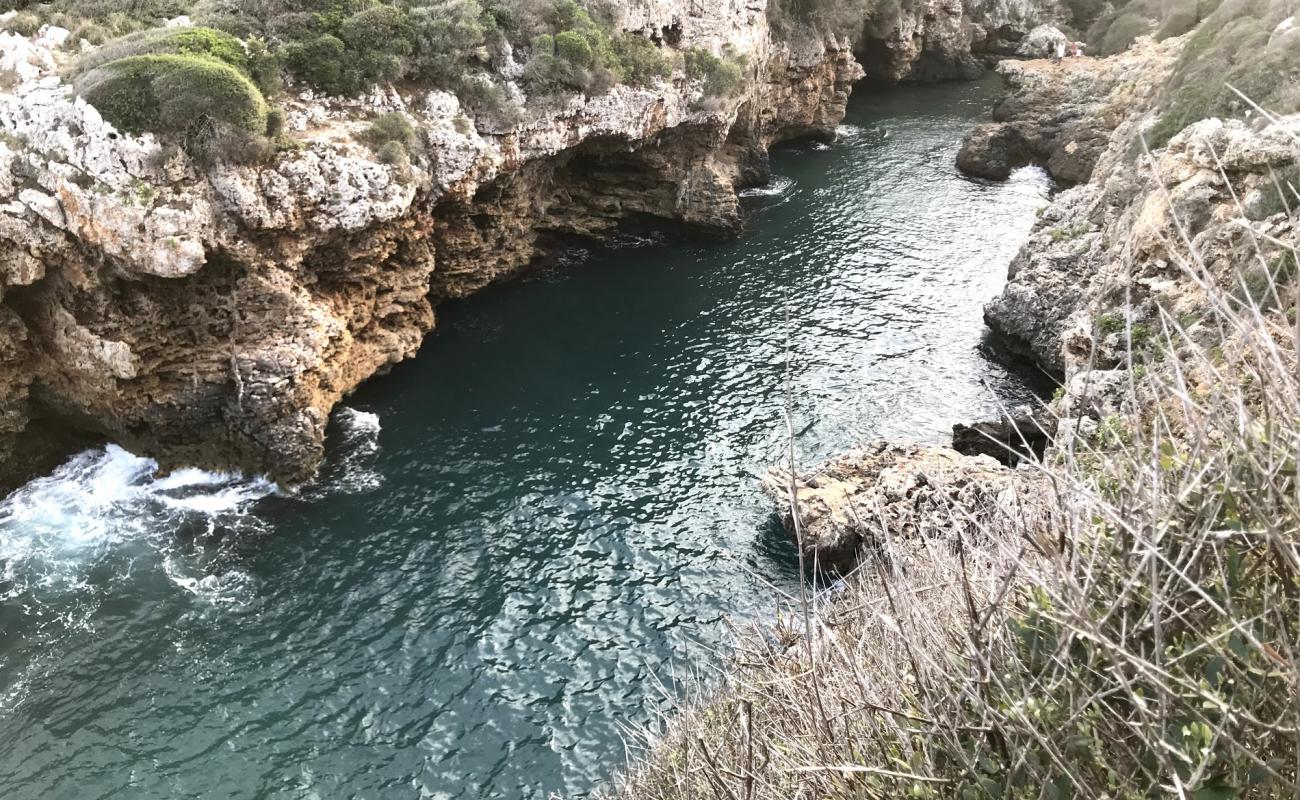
column 886, row 490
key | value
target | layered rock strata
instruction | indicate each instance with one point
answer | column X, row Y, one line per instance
column 1112, row 261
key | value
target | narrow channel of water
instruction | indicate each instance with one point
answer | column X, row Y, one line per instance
column 522, row 532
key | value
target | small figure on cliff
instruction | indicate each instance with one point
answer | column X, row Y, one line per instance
column 1058, row 51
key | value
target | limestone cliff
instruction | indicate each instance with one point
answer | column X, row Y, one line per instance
column 215, row 316
column 935, row 40
column 1107, row 269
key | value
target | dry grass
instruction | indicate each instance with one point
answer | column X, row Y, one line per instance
column 1143, row 642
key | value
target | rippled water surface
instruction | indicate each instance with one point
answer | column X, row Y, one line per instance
column 521, row 533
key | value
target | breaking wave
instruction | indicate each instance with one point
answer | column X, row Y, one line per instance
column 777, row 187
column 350, row 468
column 105, row 503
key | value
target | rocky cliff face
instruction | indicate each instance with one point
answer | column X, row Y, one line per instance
column 1062, row 114
column 214, row 316
column 1125, row 254
column 937, row 40
column 1112, row 253
column 885, row 493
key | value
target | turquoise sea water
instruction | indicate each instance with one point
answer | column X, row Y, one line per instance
column 521, row 535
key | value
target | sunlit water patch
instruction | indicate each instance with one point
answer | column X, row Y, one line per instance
column 519, row 535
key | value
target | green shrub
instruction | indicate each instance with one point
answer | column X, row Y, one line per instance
column 208, row 104
column 114, row 17
column 1180, row 17
column 1110, row 323
column 95, row 34
column 573, row 47
column 1084, row 12
column 577, row 52
column 264, row 67
column 321, row 63
column 204, row 42
column 1232, row 47
column 445, row 38
column 168, row 93
column 24, row 24
column 642, row 61
column 820, row 17
column 275, row 121
column 396, row 156
column 389, row 128
column 721, row 77
column 489, row 102
column 1122, row 32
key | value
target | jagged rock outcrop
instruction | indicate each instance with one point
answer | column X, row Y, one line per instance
column 1025, row 432
column 1045, row 41
column 902, row 491
column 938, row 40
column 1108, row 257
column 1061, row 114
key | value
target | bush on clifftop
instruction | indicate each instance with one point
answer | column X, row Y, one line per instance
column 207, row 42
column 721, row 77
column 579, row 52
column 208, row 104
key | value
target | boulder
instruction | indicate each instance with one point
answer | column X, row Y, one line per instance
column 1042, row 42
column 1024, row 433
column 892, row 492
column 992, row 151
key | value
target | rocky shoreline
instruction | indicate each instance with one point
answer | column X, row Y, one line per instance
column 214, row 316
column 1088, row 296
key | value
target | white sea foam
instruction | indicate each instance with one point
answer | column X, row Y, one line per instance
column 1033, row 179
column 847, row 132
column 108, row 501
column 231, row 588
column 358, row 448
column 778, row 186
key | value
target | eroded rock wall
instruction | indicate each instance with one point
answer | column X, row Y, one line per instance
column 215, row 316
column 939, row 40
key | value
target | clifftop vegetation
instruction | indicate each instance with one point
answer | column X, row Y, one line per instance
column 1240, row 46
column 226, row 70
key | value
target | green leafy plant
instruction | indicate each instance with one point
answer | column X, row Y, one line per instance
column 391, row 128
column 720, row 77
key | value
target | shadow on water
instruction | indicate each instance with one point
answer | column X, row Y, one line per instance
column 518, row 534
